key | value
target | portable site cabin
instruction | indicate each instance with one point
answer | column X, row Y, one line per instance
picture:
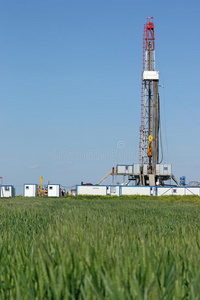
column 103, row 190
column 53, row 190
column 112, row 190
column 30, row 190
column 135, row 190
column 91, row 190
column 159, row 190
column 99, row 190
column 7, row 191
column 178, row 190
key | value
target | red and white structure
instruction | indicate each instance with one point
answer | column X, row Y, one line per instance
column 149, row 172
column 149, row 93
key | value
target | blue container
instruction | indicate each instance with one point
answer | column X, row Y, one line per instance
column 182, row 180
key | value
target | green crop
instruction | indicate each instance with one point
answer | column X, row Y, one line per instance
column 100, row 248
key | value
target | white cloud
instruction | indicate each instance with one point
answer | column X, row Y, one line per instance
column 34, row 167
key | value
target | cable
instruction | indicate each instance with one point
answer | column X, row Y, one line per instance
column 165, row 127
column 163, row 119
column 159, row 128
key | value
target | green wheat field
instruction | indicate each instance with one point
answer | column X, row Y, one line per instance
column 100, row 248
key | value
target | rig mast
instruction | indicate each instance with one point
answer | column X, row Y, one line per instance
column 149, row 171
column 149, row 142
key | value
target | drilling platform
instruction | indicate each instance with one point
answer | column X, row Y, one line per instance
column 149, row 176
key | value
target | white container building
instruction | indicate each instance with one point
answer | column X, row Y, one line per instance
column 53, row 190
column 124, row 169
column 100, row 190
column 135, row 190
column 175, row 190
column 103, row 190
column 7, row 191
column 192, row 191
column 30, row 190
column 164, row 169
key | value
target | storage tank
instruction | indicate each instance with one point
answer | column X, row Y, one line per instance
column 182, row 180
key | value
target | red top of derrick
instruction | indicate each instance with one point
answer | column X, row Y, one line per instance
column 149, row 33
column 150, row 25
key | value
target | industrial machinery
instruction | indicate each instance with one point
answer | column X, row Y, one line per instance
column 150, row 170
column 150, row 112
column 41, row 191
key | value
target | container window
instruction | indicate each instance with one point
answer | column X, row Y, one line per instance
column 7, row 188
column 51, row 188
column 174, row 190
column 27, row 187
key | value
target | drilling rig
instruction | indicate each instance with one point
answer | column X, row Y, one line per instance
column 150, row 170
column 150, row 108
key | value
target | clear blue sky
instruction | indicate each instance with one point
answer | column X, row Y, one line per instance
column 70, row 84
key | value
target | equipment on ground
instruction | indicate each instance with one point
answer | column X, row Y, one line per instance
column 41, row 191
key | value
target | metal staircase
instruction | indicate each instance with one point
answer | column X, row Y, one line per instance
column 176, row 180
column 104, row 178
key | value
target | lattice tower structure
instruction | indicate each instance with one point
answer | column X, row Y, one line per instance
column 149, row 100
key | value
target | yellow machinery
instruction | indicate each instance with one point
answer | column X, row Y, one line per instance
column 41, row 192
